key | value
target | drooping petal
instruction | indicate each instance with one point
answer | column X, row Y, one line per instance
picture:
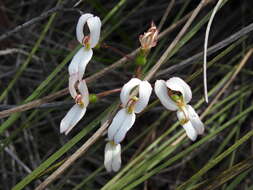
column 108, row 157
column 112, row 160
column 72, row 118
column 161, row 91
column 72, row 81
column 74, row 64
column 195, row 120
column 124, row 128
column 190, row 131
column 116, row 157
column 86, row 57
column 145, row 90
column 117, row 122
column 126, row 90
column 82, row 87
column 80, row 24
column 94, row 24
column 177, row 84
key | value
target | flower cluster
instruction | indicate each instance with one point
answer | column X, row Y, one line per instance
column 174, row 94
column 77, row 68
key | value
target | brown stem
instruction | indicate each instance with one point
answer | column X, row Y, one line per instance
column 138, row 72
column 108, row 92
column 104, row 45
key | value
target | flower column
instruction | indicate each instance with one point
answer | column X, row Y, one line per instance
column 124, row 120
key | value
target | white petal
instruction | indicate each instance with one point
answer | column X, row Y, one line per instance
column 190, row 131
column 145, row 90
column 112, row 160
column 124, row 128
column 177, row 84
column 161, row 91
column 108, row 157
column 94, row 24
column 74, row 64
column 195, row 120
column 83, row 89
column 117, row 121
column 116, row 157
column 71, row 119
column 126, row 90
column 86, row 57
column 72, row 81
column 80, row 24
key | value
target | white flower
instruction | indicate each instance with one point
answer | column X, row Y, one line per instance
column 112, row 159
column 76, row 113
column 125, row 118
column 175, row 94
column 84, row 54
column 176, row 85
column 94, row 25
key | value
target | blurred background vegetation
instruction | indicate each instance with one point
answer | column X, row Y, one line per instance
column 37, row 41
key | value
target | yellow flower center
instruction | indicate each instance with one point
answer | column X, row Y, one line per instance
column 131, row 104
column 112, row 143
column 79, row 101
column 86, row 42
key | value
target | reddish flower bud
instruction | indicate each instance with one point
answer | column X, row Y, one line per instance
column 149, row 38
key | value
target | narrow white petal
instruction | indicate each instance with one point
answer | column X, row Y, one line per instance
column 177, row 84
column 145, row 90
column 195, row 120
column 72, row 81
column 124, row 128
column 126, row 90
column 73, row 66
column 80, row 24
column 83, row 89
column 71, row 119
column 117, row 121
column 116, row 157
column 78, row 116
column 190, row 131
column 94, row 24
column 108, row 157
column 86, row 57
column 161, row 91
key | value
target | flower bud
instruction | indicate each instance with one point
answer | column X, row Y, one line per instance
column 93, row 98
column 149, row 38
column 140, row 60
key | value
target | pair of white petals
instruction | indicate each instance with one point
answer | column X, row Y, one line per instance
column 124, row 120
column 81, row 59
column 112, row 161
column 194, row 125
column 76, row 113
column 175, row 84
